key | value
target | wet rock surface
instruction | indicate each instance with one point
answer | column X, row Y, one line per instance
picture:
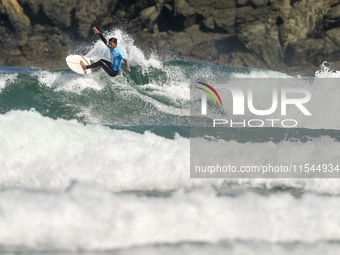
column 287, row 35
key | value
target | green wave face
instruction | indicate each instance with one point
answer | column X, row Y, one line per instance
column 144, row 96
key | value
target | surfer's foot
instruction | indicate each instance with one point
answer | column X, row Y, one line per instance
column 82, row 65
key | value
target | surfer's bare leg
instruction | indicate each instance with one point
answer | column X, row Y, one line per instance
column 82, row 65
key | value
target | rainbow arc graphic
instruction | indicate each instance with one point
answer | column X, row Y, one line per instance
column 204, row 99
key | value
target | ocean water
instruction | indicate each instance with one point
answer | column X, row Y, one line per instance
column 100, row 165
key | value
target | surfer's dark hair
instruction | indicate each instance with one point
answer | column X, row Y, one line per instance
column 113, row 40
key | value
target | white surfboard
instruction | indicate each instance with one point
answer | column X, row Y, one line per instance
column 73, row 62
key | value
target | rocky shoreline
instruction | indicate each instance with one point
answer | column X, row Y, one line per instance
column 294, row 36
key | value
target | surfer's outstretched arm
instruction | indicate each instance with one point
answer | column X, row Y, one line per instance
column 100, row 35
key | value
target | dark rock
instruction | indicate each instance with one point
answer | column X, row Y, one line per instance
column 334, row 36
column 275, row 34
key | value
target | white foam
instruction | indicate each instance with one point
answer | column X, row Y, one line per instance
column 69, row 82
column 6, row 79
column 91, row 218
column 59, row 151
column 41, row 153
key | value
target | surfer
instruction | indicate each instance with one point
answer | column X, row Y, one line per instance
column 111, row 68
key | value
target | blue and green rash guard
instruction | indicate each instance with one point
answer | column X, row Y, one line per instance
column 116, row 57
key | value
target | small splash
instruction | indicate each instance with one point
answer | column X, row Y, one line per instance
column 326, row 71
column 6, row 78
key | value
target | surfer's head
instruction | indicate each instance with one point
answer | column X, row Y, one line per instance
column 112, row 43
